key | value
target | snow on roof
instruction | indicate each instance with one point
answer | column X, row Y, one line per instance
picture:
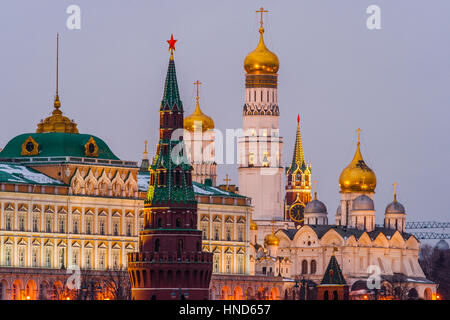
column 143, row 181
column 199, row 190
column 14, row 173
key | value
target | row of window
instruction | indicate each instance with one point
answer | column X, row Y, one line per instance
column 240, row 234
column 228, row 267
column 62, row 225
column 51, row 261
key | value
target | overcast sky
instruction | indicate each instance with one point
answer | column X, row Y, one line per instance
column 393, row 83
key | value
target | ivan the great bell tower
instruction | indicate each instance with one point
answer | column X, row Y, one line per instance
column 260, row 148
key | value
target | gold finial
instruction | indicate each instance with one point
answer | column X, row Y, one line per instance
column 395, row 191
column 197, row 83
column 226, row 181
column 273, row 226
column 261, row 29
column 315, row 189
column 359, row 132
column 145, row 151
column 334, row 250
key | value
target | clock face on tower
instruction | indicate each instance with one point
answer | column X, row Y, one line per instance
column 296, row 212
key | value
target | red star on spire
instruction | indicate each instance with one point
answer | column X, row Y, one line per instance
column 298, row 118
column 171, row 43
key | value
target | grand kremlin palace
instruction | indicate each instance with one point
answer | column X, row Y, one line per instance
column 67, row 202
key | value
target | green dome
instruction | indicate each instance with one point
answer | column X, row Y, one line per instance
column 57, row 144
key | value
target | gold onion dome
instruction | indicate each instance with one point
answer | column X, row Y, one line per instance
column 271, row 240
column 357, row 176
column 57, row 122
column 197, row 118
column 253, row 225
column 261, row 60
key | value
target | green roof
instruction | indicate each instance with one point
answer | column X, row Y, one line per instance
column 333, row 275
column 16, row 173
column 57, row 144
column 171, row 96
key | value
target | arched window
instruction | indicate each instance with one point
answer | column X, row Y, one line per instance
column 335, row 295
column 178, row 223
column 313, row 266
column 304, row 267
column 157, row 245
column 325, row 295
column 159, row 223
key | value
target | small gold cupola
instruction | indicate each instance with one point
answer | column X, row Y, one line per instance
column 198, row 118
column 357, row 176
column 57, row 122
column 261, row 60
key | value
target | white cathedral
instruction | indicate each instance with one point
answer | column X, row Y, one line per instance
column 290, row 233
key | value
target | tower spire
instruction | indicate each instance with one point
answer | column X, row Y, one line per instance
column 57, row 103
column 298, row 158
column 171, row 96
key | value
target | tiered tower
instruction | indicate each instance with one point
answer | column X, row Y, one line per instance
column 260, row 147
column 356, row 180
column 199, row 141
column 298, row 186
column 170, row 263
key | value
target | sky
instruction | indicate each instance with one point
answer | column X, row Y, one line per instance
column 393, row 82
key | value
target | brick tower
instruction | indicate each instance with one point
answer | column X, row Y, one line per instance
column 170, row 263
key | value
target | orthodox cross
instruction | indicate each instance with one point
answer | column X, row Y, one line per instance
column 395, row 191
column 261, row 11
column 226, row 181
column 315, row 189
column 197, row 83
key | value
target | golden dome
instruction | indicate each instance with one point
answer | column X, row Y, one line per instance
column 357, row 176
column 197, row 117
column 253, row 225
column 271, row 240
column 261, row 60
column 57, row 122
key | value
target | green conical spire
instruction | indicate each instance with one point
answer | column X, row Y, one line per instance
column 171, row 96
column 170, row 176
column 333, row 274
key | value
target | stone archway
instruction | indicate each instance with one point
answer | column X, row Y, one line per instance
column 30, row 290
column 237, row 293
column 225, row 294
column 274, row 294
column 43, row 290
column 16, row 290
column 413, row 294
